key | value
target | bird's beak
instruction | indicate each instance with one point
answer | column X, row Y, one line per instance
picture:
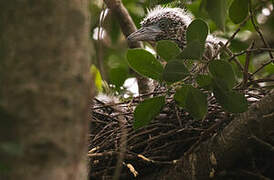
column 145, row 34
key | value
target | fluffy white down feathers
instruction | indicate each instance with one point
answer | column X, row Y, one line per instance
column 160, row 11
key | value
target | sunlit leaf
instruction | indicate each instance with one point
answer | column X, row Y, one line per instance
column 144, row 63
column 174, row 71
column 147, row 111
column 238, row 10
column 97, row 78
column 167, row 49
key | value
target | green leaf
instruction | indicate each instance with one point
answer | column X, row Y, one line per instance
column 144, row 63
column 167, row 49
column 197, row 30
column 181, row 94
column 231, row 101
column 147, row 110
column 204, row 81
column 193, row 100
column 175, row 71
column 238, row 10
column 196, row 35
column 97, row 78
column 217, row 10
column 118, row 75
column 196, row 103
column 222, row 73
column 193, row 51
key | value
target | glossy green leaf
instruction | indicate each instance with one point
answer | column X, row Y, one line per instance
column 217, row 10
column 97, row 78
column 238, row 10
column 181, row 94
column 197, row 30
column 175, row 71
column 167, row 49
column 204, row 81
column 232, row 101
column 144, row 63
column 222, row 73
column 196, row 35
column 147, row 111
column 193, row 51
column 193, row 100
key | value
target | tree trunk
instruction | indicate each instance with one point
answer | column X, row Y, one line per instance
column 44, row 89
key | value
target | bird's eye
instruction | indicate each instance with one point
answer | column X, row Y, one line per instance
column 163, row 23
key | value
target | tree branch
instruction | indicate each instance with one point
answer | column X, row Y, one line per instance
column 128, row 27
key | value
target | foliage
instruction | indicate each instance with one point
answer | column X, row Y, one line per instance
column 226, row 78
column 148, row 110
column 196, row 35
column 144, row 63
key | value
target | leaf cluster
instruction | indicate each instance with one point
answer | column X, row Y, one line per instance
column 232, row 17
column 219, row 80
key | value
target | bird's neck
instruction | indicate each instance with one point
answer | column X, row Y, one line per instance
column 179, row 37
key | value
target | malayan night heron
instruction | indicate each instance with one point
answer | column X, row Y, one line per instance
column 164, row 23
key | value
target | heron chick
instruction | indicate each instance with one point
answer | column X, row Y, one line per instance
column 164, row 23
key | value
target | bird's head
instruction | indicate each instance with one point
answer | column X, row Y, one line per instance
column 163, row 24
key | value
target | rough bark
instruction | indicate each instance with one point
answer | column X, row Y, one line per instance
column 44, row 89
column 223, row 149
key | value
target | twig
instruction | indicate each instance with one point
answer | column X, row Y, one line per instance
column 250, row 50
column 231, row 54
column 247, row 60
column 258, row 29
column 254, row 175
column 126, row 23
column 128, row 27
column 259, row 81
column 122, row 147
column 262, row 66
column 262, row 143
column 232, row 37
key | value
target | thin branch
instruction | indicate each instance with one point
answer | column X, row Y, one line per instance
column 126, row 23
column 250, row 50
column 262, row 66
column 231, row 37
column 264, row 144
column 247, row 60
column 259, row 81
column 228, row 51
column 258, row 30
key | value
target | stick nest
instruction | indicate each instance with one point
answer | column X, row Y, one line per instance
column 169, row 136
